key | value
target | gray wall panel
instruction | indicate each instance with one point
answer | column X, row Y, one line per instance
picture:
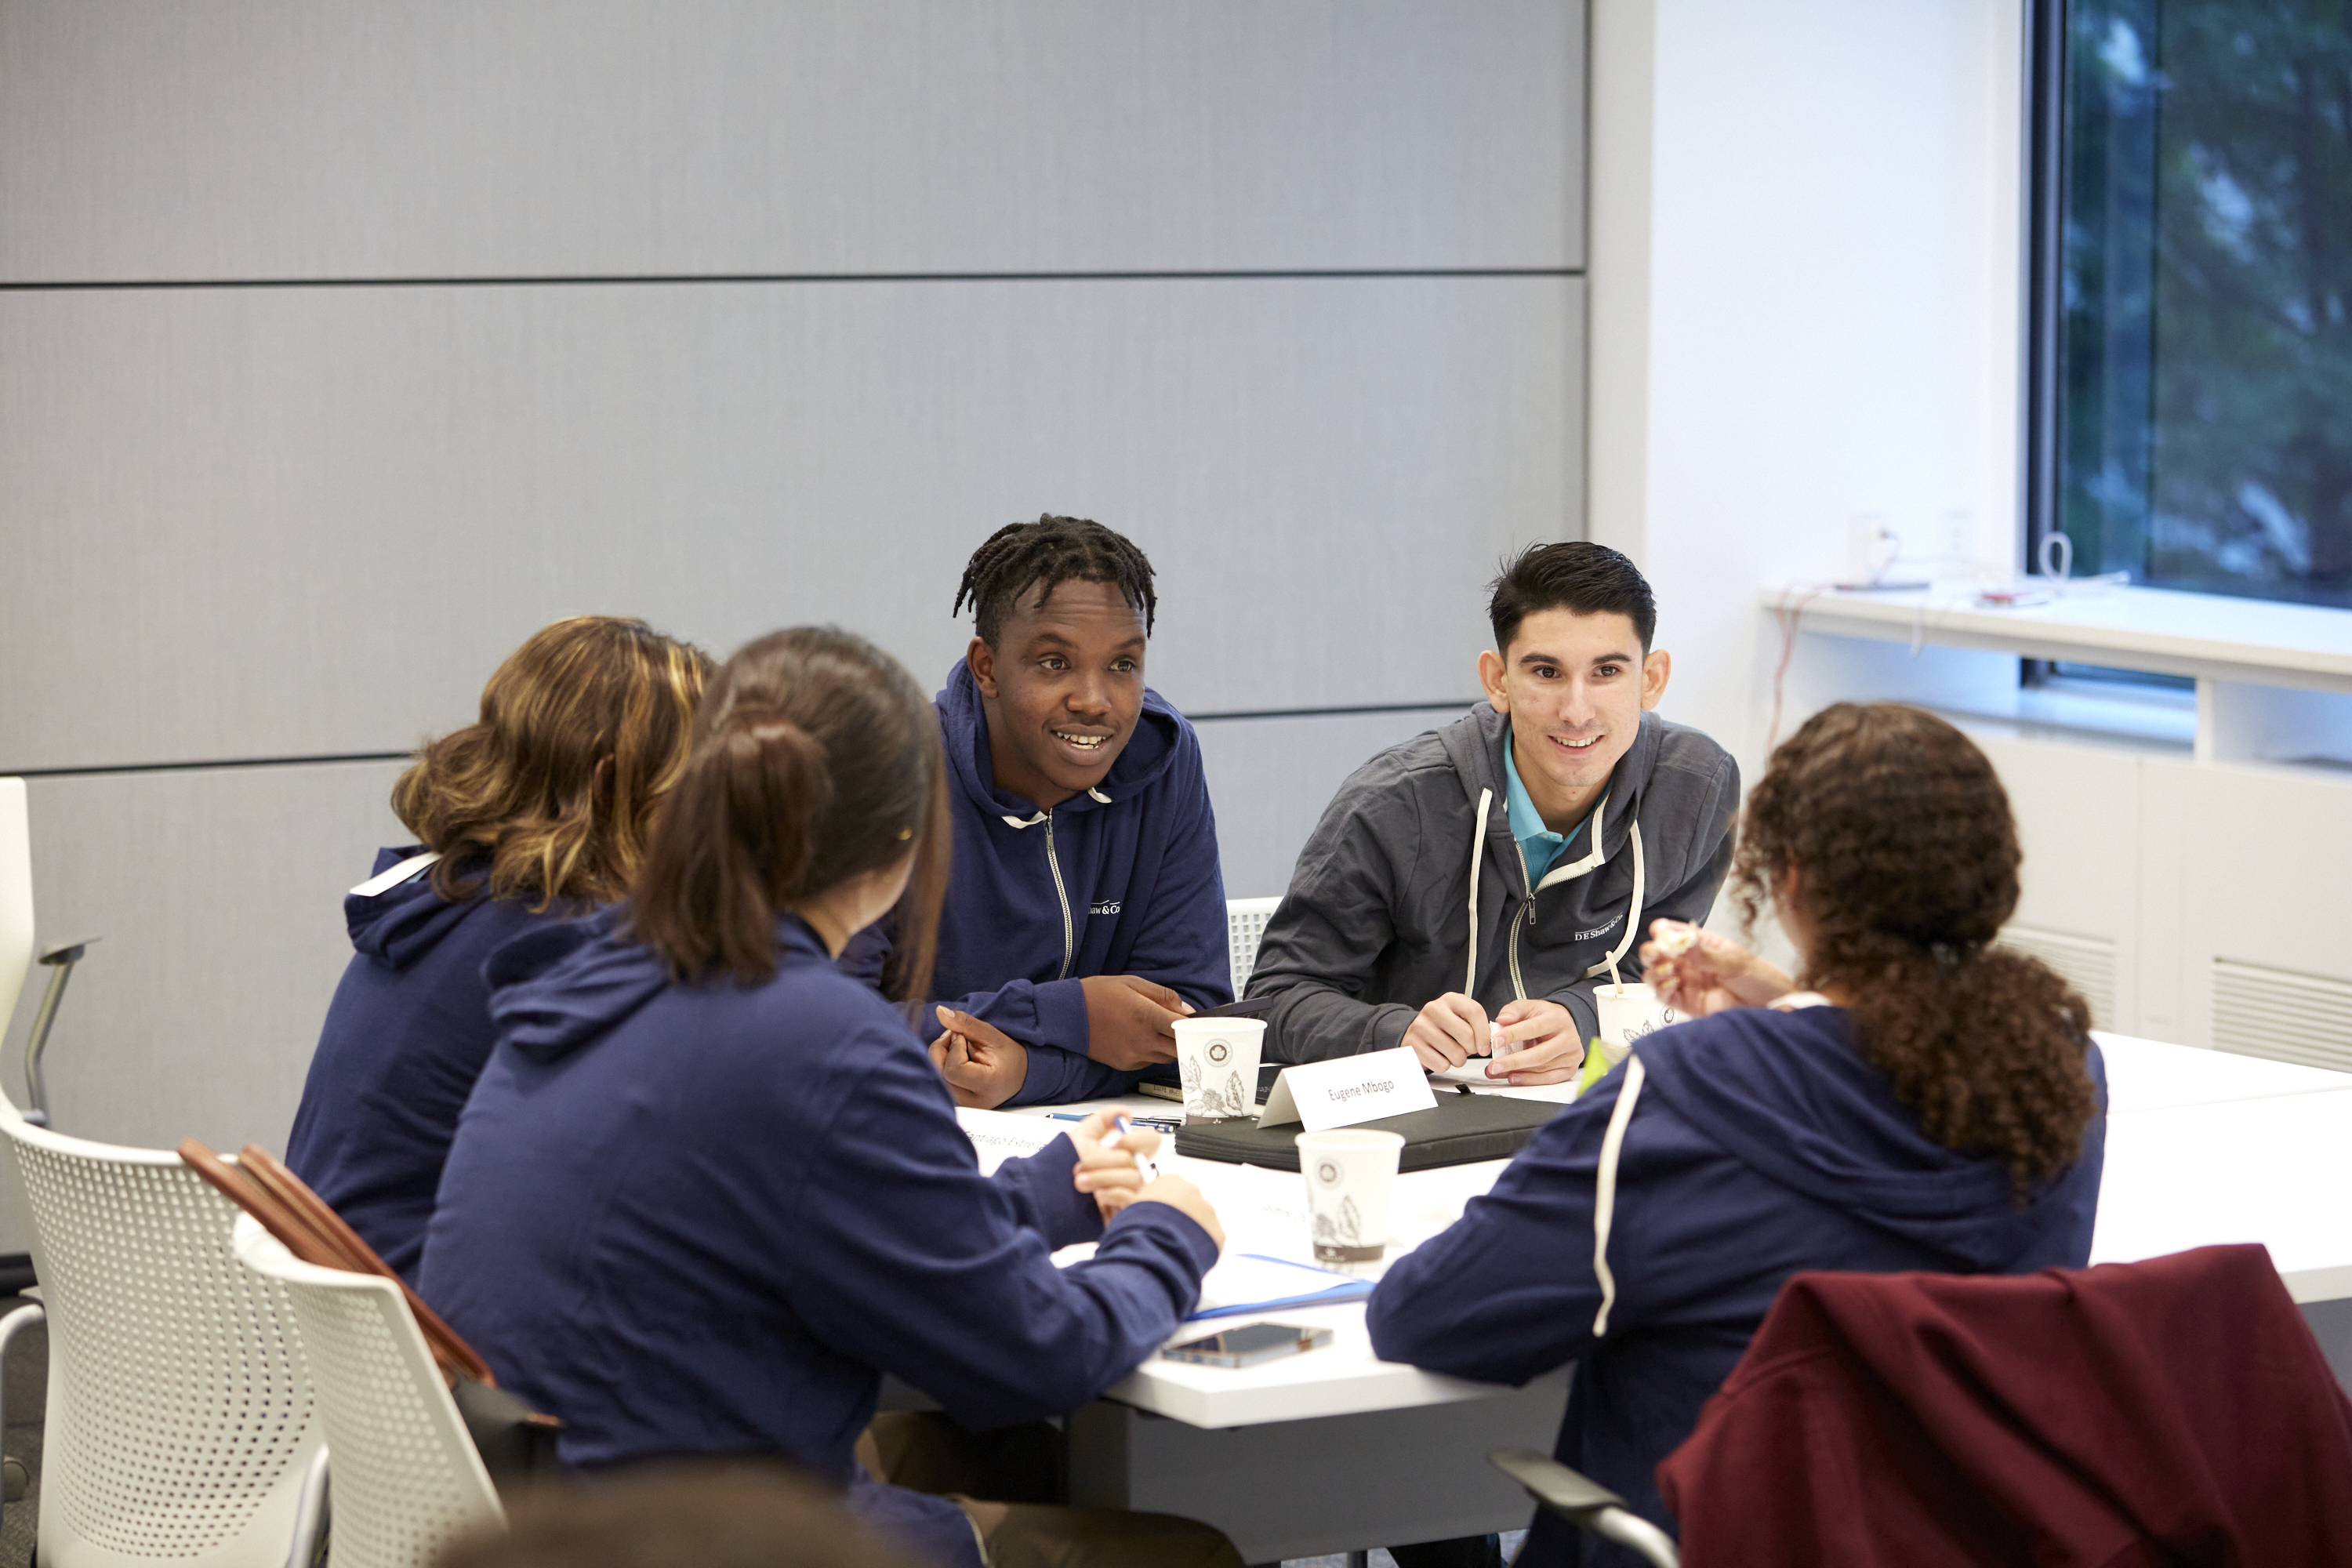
column 1271, row 778
column 277, row 137
column 306, row 523
column 219, row 895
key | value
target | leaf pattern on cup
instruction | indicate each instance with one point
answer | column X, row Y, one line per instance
column 1346, row 1228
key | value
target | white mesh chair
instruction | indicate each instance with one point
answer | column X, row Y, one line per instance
column 406, row 1477
column 1245, row 924
column 180, row 1426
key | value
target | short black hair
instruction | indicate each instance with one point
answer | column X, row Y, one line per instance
column 1590, row 579
column 1046, row 553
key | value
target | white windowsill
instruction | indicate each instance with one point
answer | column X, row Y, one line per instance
column 2250, row 641
column 2274, row 680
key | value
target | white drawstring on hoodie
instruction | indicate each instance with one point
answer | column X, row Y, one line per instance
column 1612, row 1142
column 1599, row 856
column 1604, row 1203
column 391, row 877
column 1033, row 821
column 1604, row 1194
column 1477, row 856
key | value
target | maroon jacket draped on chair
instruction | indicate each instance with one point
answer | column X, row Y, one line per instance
column 2176, row 1410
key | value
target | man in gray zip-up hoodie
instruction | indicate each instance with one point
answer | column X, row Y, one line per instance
column 1489, row 873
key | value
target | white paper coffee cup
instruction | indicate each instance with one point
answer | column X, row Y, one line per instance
column 1627, row 1014
column 1351, row 1172
column 1216, row 1058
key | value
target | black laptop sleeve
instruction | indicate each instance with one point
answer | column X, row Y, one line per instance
column 1463, row 1128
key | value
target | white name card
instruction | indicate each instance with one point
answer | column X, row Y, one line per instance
column 1341, row 1093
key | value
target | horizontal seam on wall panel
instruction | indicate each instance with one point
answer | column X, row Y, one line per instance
column 404, row 757
column 205, row 767
column 1335, row 712
column 105, row 285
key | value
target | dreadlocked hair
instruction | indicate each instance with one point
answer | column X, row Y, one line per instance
column 1905, row 858
column 1043, row 554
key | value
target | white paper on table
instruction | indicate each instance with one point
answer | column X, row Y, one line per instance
column 998, row 1136
column 1472, row 1072
column 1261, row 1210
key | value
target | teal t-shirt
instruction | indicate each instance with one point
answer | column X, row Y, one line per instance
column 1540, row 846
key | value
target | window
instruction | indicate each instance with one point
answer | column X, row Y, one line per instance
column 2191, row 409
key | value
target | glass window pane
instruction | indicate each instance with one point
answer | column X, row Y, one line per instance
column 2205, row 420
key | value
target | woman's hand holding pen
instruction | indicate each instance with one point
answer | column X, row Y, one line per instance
column 1116, row 1166
column 1115, row 1162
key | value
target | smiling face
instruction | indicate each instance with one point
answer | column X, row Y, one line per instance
column 1062, row 689
column 1574, row 687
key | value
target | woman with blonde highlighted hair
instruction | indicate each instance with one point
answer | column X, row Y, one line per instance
column 711, row 1189
column 539, row 810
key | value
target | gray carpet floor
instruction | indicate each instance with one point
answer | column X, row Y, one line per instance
column 24, row 1393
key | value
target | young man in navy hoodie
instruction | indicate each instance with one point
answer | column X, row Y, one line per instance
column 1086, row 912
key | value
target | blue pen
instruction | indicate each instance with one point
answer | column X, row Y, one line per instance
column 1157, row 1123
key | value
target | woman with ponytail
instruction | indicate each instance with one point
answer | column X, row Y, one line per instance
column 536, row 812
column 1914, row 1098
column 709, row 1190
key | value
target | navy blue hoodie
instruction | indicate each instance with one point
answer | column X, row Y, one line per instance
column 1122, row 879
column 1761, row 1144
column 406, row 1037
column 707, row 1219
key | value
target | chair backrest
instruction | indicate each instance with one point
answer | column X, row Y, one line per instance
column 407, row 1478
column 1245, row 925
column 16, row 896
column 180, row 1425
column 2180, row 1402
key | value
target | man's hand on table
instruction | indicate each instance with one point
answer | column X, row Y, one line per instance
column 1448, row 1032
column 984, row 1066
column 1549, row 1051
column 1130, row 1021
column 1451, row 1030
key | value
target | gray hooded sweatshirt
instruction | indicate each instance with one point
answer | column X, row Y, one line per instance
column 1378, row 920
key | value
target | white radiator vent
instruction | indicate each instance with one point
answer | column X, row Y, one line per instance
column 2279, row 1014
column 2087, row 962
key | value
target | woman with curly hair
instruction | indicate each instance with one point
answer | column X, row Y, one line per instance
column 1914, row 1099
column 538, row 811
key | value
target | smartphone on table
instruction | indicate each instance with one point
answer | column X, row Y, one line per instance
column 1248, row 1345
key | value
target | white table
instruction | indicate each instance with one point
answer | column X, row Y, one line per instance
column 2205, row 1147
column 1336, row 1451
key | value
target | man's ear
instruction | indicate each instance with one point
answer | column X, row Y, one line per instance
column 1490, row 676
column 981, row 658
column 1655, row 671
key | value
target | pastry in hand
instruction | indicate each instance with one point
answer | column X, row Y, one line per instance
column 1676, row 939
